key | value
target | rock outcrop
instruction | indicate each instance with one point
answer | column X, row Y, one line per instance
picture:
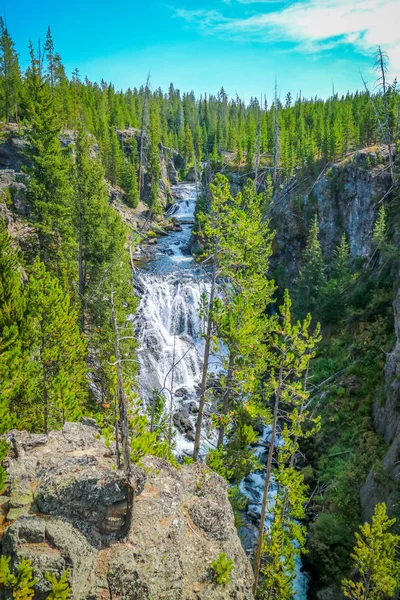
column 382, row 484
column 170, row 161
column 346, row 198
column 65, row 507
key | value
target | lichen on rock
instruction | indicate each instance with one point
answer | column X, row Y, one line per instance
column 65, row 508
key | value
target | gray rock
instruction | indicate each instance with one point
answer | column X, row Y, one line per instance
column 182, row 421
column 346, row 199
column 182, row 520
column 172, row 173
column 383, row 486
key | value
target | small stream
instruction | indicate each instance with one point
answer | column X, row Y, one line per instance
column 168, row 328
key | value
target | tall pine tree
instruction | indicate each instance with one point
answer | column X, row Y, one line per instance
column 56, row 363
column 10, row 75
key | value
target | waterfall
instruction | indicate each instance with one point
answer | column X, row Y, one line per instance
column 169, row 331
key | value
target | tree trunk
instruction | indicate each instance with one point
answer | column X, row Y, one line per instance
column 226, row 397
column 276, row 135
column 387, row 129
column 45, row 389
column 81, row 277
column 257, row 562
column 123, row 418
column 46, row 402
column 207, row 347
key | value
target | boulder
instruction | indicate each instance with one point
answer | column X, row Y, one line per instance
column 182, row 422
column 172, row 173
column 74, row 500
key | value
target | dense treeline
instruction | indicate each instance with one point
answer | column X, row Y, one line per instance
column 285, row 134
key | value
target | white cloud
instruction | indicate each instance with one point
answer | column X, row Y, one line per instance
column 315, row 25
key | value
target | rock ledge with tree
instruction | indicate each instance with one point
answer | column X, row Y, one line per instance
column 65, row 506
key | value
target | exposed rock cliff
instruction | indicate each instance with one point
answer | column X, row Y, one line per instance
column 170, row 161
column 382, row 484
column 13, row 159
column 345, row 196
column 65, row 507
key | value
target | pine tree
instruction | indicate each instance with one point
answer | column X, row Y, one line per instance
column 154, row 160
column 57, row 354
column 375, row 560
column 278, row 561
column 245, row 246
column 12, row 308
column 98, row 228
column 334, row 294
column 188, row 146
column 60, row 589
column 21, row 584
column 290, row 349
column 49, row 189
column 380, row 230
column 115, row 159
column 51, row 60
column 130, row 184
column 310, row 283
column 10, row 75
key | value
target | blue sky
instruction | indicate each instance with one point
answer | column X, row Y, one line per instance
column 240, row 44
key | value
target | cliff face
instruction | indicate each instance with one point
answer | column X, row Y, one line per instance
column 382, row 484
column 13, row 159
column 170, row 161
column 345, row 196
column 65, row 507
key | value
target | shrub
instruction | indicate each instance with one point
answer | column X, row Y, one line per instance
column 222, row 568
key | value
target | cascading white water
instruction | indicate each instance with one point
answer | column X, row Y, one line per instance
column 169, row 328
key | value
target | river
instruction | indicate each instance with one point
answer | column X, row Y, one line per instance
column 169, row 330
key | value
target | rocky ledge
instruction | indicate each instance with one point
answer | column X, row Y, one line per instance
column 65, row 504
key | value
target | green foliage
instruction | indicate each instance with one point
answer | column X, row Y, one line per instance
column 56, row 363
column 156, row 413
column 49, row 187
column 129, row 184
column 335, row 291
column 144, row 441
column 236, row 458
column 375, row 560
column 310, row 283
column 278, row 562
column 10, row 76
column 98, row 229
column 12, row 308
column 22, row 583
column 222, row 568
column 239, row 503
column 330, row 545
column 60, row 589
column 380, row 229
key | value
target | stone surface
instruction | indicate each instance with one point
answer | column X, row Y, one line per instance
column 74, row 502
column 346, row 198
column 382, row 485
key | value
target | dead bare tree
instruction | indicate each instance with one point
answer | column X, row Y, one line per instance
column 258, row 143
column 381, row 69
column 140, row 177
column 122, row 412
column 276, row 134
